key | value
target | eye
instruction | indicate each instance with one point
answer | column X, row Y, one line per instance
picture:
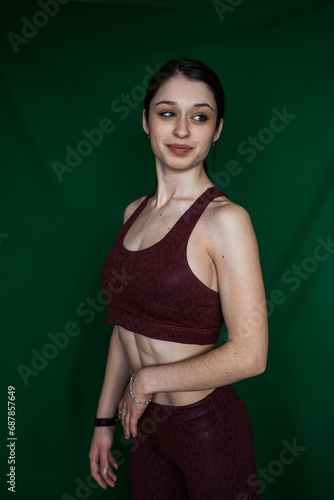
column 202, row 117
column 165, row 112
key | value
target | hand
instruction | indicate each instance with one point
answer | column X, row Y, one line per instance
column 100, row 456
column 131, row 410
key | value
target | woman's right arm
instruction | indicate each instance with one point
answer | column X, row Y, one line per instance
column 116, row 378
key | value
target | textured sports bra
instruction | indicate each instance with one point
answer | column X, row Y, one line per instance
column 154, row 292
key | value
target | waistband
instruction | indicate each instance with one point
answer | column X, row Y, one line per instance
column 190, row 409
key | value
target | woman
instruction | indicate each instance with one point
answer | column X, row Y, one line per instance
column 185, row 261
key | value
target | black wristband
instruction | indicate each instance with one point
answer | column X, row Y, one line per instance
column 99, row 422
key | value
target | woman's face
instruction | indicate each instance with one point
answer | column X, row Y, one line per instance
column 187, row 119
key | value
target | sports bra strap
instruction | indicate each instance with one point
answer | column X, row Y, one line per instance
column 187, row 222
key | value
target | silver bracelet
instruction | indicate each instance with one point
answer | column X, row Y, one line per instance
column 141, row 402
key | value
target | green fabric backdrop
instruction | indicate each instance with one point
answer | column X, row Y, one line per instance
column 86, row 67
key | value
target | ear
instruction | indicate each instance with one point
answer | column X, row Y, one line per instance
column 145, row 126
column 217, row 134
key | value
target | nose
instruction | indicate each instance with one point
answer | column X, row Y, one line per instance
column 181, row 127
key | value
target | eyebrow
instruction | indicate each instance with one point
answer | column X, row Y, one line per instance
column 197, row 105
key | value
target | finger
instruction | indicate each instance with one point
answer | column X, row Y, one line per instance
column 123, row 417
column 95, row 470
column 112, row 476
column 114, row 464
column 133, row 426
column 126, row 426
column 107, row 474
column 112, row 460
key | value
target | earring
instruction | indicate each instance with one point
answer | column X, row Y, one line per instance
column 213, row 144
column 148, row 136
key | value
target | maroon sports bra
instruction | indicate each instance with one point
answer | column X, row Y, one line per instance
column 154, row 292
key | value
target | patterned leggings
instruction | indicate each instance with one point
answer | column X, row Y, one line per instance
column 201, row 451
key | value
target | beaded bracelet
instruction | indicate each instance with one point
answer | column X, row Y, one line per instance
column 141, row 402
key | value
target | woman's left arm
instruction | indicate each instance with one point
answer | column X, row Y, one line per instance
column 234, row 250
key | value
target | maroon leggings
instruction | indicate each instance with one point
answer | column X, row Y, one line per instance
column 201, row 451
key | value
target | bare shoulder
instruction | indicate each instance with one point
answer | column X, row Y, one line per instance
column 132, row 207
column 225, row 212
column 229, row 228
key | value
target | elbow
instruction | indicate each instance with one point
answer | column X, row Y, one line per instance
column 258, row 363
column 259, row 366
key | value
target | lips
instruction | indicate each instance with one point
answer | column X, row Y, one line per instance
column 179, row 146
column 179, row 149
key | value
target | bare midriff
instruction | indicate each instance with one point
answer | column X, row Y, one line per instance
column 141, row 351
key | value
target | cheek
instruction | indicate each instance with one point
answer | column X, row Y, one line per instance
column 159, row 126
column 203, row 140
column 203, row 134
